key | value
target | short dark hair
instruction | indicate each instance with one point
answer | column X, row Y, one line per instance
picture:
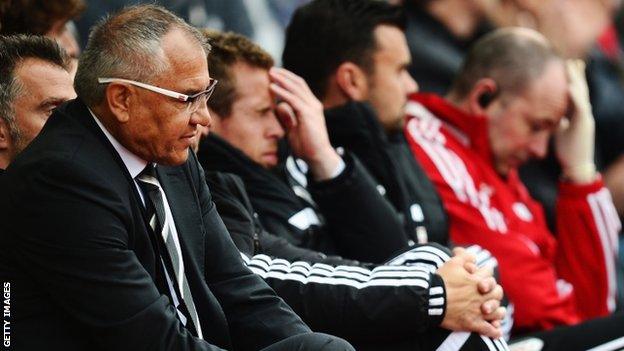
column 512, row 57
column 326, row 33
column 37, row 16
column 228, row 49
column 14, row 49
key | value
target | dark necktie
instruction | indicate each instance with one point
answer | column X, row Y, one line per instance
column 162, row 226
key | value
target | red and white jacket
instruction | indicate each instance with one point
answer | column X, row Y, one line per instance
column 550, row 280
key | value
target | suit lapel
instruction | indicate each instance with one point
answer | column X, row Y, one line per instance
column 186, row 214
column 188, row 220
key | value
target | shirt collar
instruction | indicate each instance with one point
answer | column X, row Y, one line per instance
column 133, row 163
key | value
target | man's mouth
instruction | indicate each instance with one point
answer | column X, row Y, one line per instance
column 189, row 135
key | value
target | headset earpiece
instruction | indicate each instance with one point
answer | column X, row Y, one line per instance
column 486, row 99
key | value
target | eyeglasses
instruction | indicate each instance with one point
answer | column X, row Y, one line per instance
column 194, row 102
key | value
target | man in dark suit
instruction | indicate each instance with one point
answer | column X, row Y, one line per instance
column 112, row 241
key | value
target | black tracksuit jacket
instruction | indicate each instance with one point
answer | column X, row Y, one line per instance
column 354, row 127
column 344, row 216
column 367, row 304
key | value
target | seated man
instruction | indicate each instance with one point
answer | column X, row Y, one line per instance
column 110, row 236
column 509, row 98
column 410, row 310
column 337, row 209
column 362, row 80
column 34, row 80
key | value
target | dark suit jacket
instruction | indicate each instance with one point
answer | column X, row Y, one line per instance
column 82, row 263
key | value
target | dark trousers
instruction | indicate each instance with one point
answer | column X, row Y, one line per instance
column 606, row 333
column 311, row 342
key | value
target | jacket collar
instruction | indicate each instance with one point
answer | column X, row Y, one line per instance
column 471, row 130
column 354, row 120
column 133, row 163
column 216, row 154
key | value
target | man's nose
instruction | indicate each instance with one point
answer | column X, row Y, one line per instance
column 411, row 86
column 275, row 129
column 539, row 145
column 202, row 116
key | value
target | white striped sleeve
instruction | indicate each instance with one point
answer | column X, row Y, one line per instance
column 429, row 257
column 354, row 277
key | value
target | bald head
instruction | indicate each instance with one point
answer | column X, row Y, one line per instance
column 512, row 57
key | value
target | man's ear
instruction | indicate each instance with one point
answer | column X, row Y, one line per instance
column 482, row 95
column 352, row 81
column 118, row 96
column 5, row 135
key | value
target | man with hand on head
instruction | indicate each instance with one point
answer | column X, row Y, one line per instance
column 362, row 80
column 111, row 235
column 335, row 208
column 510, row 97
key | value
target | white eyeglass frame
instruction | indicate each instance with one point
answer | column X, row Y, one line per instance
column 173, row 94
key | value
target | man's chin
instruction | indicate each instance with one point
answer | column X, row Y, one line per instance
column 396, row 125
column 174, row 159
column 269, row 161
column 503, row 169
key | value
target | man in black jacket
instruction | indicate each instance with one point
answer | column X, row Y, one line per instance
column 110, row 235
column 362, row 79
column 335, row 208
column 34, row 79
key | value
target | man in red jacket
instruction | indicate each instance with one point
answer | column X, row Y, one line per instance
column 513, row 93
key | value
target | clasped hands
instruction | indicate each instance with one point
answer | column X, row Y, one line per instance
column 473, row 296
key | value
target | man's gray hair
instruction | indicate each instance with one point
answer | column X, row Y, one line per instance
column 128, row 45
column 512, row 57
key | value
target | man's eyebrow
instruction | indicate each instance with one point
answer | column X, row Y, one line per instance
column 192, row 91
column 195, row 91
column 52, row 101
column 545, row 122
column 264, row 109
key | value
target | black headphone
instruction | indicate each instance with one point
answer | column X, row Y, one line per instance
column 487, row 97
